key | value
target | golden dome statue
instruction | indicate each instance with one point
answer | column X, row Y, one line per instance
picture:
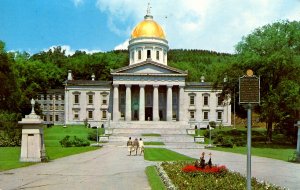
column 148, row 28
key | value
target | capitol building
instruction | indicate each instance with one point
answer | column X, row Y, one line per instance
column 147, row 90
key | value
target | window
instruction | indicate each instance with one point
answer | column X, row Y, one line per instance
column 62, row 106
column 62, row 97
column 50, row 97
column 205, row 100
column 45, row 107
column 192, row 115
column 45, row 118
column 148, row 54
column 90, row 114
column 90, row 99
column 219, row 116
column 220, row 100
column 51, row 118
column 157, row 55
column 104, row 115
column 76, row 98
column 56, row 118
column 139, row 54
column 51, row 106
column 205, row 115
column 39, row 97
column 104, row 101
column 56, row 107
column 192, row 100
column 132, row 55
column 76, row 115
column 56, row 97
column 45, row 97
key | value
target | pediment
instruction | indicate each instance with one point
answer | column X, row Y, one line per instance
column 149, row 67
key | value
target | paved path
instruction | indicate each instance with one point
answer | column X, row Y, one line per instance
column 108, row 168
column 278, row 172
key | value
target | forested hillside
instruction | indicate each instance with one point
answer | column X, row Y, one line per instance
column 27, row 75
column 272, row 52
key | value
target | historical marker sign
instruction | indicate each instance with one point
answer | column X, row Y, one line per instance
column 249, row 86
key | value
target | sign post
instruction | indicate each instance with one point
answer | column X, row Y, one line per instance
column 249, row 86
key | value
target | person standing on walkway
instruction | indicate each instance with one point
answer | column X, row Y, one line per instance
column 129, row 145
column 136, row 145
column 141, row 146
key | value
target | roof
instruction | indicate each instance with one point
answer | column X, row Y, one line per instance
column 149, row 62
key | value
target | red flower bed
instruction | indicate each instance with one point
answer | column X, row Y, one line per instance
column 207, row 169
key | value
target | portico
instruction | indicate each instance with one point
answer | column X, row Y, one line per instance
column 153, row 100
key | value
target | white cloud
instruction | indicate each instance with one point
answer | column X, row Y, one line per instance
column 70, row 51
column 122, row 46
column 200, row 24
column 77, row 2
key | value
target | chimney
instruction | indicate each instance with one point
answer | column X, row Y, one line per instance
column 70, row 77
column 202, row 78
column 93, row 76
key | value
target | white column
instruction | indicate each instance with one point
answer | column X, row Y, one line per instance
column 155, row 103
column 128, row 103
column 181, row 103
column 169, row 103
column 142, row 103
column 66, row 108
column 116, row 114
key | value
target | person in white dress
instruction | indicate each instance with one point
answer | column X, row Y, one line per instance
column 141, row 146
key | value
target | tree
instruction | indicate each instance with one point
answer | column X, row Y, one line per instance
column 273, row 53
column 9, row 92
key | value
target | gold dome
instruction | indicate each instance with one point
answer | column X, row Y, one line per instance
column 148, row 28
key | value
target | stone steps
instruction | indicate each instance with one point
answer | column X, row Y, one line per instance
column 173, row 133
column 148, row 124
column 140, row 131
column 163, row 138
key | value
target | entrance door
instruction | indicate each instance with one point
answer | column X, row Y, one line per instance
column 148, row 113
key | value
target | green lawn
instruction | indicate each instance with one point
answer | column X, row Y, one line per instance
column 9, row 156
column 162, row 154
column 151, row 135
column 154, row 179
column 154, row 143
column 54, row 134
column 275, row 153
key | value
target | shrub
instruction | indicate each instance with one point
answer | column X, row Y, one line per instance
column 66, row 141
column 227, row 142
column 80, row 142
column 75, row 141
column 10, row 133
column 92, row 136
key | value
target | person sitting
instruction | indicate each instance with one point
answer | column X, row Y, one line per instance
column 202, row 161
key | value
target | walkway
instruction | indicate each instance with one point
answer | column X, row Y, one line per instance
column 108, row 168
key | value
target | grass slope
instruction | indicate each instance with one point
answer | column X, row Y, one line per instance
column 9, row 156
column 279, row 153
column 162, row 154
column 154, row 179
column 54, row 134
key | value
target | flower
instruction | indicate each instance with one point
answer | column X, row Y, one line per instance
column 207, row 169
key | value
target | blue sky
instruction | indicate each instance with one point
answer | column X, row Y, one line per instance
column 104, row 25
